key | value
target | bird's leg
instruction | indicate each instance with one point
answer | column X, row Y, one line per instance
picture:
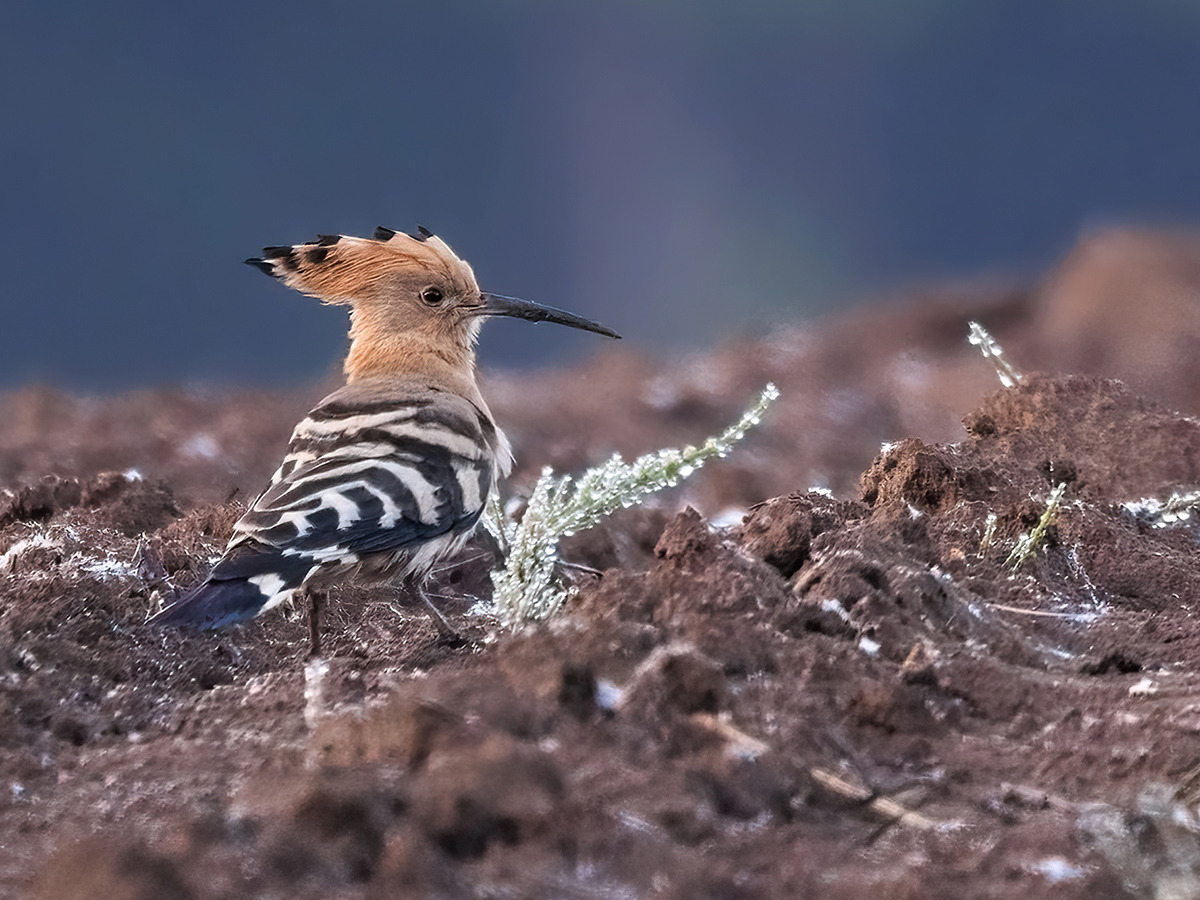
column 445, row 629
column 315, row 599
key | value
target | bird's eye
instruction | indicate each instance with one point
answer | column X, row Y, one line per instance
column 433, row 296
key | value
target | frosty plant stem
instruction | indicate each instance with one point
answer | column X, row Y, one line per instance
column 527, row 587
column 977, row 335
column 1027, row 544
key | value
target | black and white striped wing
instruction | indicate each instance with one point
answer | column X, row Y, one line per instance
column 374, row 478
column 380, row 479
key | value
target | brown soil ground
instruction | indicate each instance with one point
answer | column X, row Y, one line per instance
column 777, row 692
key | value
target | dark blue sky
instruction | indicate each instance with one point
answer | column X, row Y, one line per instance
column 679, row 170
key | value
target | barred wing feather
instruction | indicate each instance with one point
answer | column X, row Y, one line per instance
column 351, row 504
column 367, row 481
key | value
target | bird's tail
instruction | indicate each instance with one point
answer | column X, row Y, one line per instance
column 213, row 604
column 242, row 585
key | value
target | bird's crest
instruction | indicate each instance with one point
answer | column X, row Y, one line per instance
column 343, row 269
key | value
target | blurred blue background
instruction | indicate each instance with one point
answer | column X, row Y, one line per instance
column 679, row 170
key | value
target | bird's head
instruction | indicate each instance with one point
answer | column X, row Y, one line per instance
column 410, row 296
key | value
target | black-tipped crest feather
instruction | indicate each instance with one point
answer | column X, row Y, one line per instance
column 285, row 255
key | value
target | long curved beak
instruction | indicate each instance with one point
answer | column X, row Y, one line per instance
column 499, row 305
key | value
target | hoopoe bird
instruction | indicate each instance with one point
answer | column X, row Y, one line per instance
column 388, row 475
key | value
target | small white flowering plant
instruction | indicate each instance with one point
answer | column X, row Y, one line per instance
column 527, row 585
